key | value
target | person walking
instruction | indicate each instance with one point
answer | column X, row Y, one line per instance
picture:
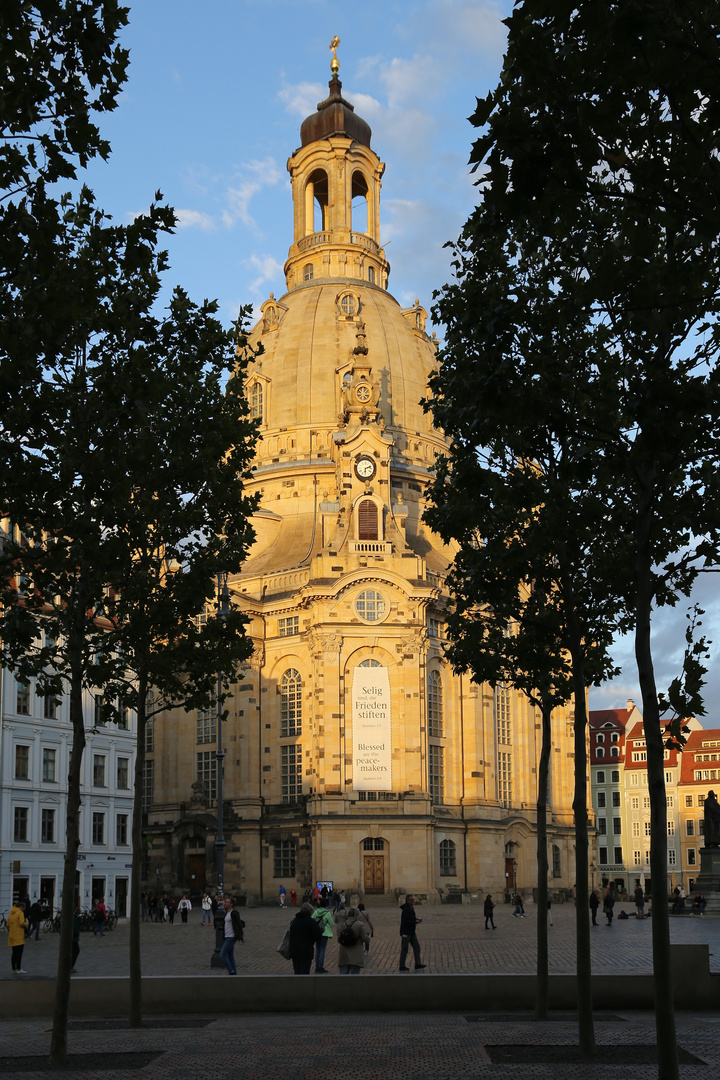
column 519, row 911
column 16, row 924
column 305, row 933
column 282, row 896
column 608, row 905
column 364, row 915
column 323, row 917
column 408, row 924
column 206, row 905
column 171, row 911
column 639, row 903
column 145, row 907
column 353, row 934
column 594, row 904
column 184, row 907
column 100, row 917
column 293, row 898
column 35, row 918
column 488, row 911
column 549, row 908
column 233, row 932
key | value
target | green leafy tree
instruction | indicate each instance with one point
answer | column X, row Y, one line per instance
column 188, row 443
column 599, row 217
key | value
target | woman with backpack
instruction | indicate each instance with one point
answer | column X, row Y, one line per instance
column 323, row 917
column 353, row 934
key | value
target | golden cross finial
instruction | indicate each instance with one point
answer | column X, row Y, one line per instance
column 334, row 63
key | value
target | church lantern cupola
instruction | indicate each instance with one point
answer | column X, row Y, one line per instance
column 336, row 181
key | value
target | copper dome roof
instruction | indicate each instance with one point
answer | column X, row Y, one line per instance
column 334, row 116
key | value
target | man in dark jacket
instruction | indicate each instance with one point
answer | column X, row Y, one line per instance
column 408, row 922
column 304, row 932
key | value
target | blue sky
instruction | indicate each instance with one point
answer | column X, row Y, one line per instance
column 212, row 111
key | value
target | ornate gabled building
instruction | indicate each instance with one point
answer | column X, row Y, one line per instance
column 353, row 753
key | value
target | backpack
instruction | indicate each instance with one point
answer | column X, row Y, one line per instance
column 284, row 946
column 347, row 936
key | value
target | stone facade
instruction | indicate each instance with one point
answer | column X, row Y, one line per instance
column 346, row 585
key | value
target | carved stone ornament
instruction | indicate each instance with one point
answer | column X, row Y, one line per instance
column 199, row 794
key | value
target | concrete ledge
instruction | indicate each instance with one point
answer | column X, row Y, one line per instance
column 694, row 988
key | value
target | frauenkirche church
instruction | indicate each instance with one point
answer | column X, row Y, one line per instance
column 353, row 754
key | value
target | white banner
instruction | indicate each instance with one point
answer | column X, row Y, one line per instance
column 372, row 748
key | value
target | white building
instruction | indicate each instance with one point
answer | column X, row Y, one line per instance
column 35, row 740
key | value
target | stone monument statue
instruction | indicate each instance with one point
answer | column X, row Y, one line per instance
column 712, row 821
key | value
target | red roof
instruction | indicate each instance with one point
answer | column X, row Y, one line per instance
column 695, row 745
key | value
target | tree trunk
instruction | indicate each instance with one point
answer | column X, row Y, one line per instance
column 58, row 1041
column 135, row 1015
column 662, row 971
column 586, row 1030
column 542, row 985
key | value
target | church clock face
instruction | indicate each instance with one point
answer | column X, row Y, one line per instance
column 365, row 468
column 363, row 393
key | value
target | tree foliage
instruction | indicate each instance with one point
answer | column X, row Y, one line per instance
column 583, row 329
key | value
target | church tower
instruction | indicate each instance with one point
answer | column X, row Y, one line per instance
column 353, row 754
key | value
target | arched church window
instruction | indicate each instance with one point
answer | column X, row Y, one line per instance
column 371, row 274
column 435, row 704
column 370, row 663
column 448, row 861
column 367, row 520
column 308, row 273
column 291, row 703
column 256, row 400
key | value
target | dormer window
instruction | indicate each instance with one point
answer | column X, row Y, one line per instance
column 308, row 272
column 256, row 400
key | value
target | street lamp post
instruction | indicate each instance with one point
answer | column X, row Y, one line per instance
column 215, row 961
column 592, row 875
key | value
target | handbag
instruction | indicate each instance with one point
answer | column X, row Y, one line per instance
column 284, row 946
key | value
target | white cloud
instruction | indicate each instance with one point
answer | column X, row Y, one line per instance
column 187, row 219
column 302, row 98
column 252, row 178
column 269, row 269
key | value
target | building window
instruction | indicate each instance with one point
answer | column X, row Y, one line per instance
column 614, row 751
column 308, row 272
column 284, row 854
column 671, row 856
column 670, row 800
column 601, row 798
column 615, row 776
column 373, row 843
column 49, row 765
column 691, row 857
column 99, row 761
column 148, row 784
column 256, row 400
column 290, row 703
column 50, row 707
column 639, row 755
column 149, row 734
column 121, row 830
column 600, row 738
column 635, row 802
column 646, row 802
column 599, row 752
column 618, row 856
column 701, row 827
column 20, row 825
column 636, row 858
column 123, row 716
column 348, row 304
column 370, row 605
column 647, row 858
column 47, row 827
column 636, row 828
column 22, row 762
column 371, row 274
column 647, row 828
column 288, row 627
column 123, row 773
column 504, row 774
column 671, row 828
column 616, row 798
column 98, row 829
column 22, row 698
column 367, row 520
column 101, row 711
column 602, row 856
column 668, row 776
column 614, row 737
column 206, row 725
column 436, row 777
column 602, row 825
column 689, row 827
column 600, row 776
column 435, row 705
column 448, row 866
column 617, row 826
column 206, row 773
column 501, row 705
column 556, row 872
column 291, row 772
column 688, row 800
